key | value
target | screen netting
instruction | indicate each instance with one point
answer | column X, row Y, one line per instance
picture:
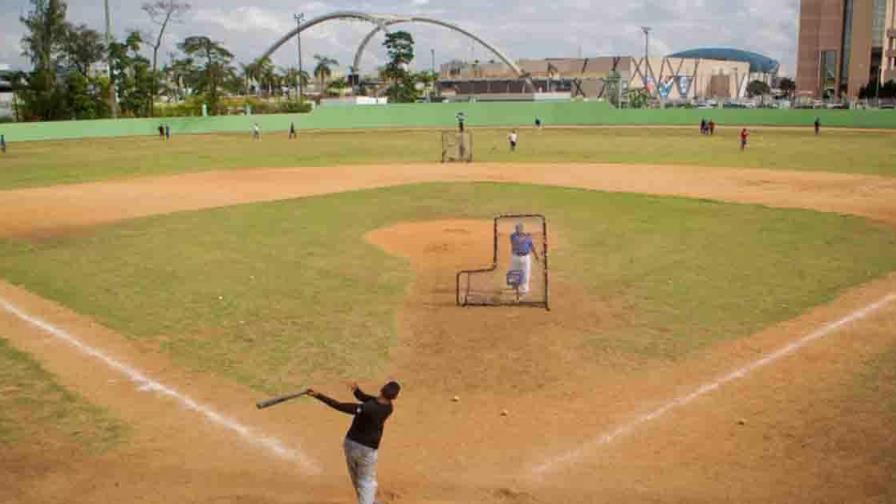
column 457, row 146
column 504, row 282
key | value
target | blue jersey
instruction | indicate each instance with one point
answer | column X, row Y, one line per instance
column 521, row 243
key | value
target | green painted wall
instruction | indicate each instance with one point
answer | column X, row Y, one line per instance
column 442, row 115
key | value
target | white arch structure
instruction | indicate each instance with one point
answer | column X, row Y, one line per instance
column 382, row 22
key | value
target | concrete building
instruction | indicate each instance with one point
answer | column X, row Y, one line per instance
column 889, row 43
column 682, row 79
column 670, row 78
column 551, row 78
column 844, row 45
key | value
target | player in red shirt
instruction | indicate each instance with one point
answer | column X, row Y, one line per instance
column 743, row 138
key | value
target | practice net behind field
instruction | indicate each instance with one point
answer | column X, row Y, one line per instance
column 503, row 282
column 457, row 146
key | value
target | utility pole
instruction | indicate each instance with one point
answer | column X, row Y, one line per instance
column 299, row 18
column 646, row 30
column 114, row 95
column 435, row 76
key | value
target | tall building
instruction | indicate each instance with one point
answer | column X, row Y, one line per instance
column 844, row 45
column 889, row 49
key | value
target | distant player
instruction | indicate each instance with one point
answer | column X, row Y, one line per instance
column 522, row 247
column 743, row 138
column 461, row 117
column 703, row 126
column 161, row 132
column 3, row 144
column 512, row 138
column 256, row 132
column 538, row 122
column 712, row 127
column 817, row 126
column 292, row 130
column 362, row 442
column 167, row 132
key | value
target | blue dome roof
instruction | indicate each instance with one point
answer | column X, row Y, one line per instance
column 758, row 63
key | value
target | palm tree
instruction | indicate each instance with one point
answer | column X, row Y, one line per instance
column 216, row 59
column 322, row 70
column 337, row 86
column 292, row 76
column 177, row 75
column 262, row 72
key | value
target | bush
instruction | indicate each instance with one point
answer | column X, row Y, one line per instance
column 232, row 105
column 758, row 88
column 888, row 90
column 192, row 106
column 294, row 107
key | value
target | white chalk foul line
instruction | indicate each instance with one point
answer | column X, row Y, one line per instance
column 144, row 383
column 741, row 372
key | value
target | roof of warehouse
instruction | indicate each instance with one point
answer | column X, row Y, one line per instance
column 758, row 63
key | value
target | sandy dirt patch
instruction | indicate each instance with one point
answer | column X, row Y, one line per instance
column 50, row 210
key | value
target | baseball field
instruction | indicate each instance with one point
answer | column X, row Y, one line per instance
column 722, row 323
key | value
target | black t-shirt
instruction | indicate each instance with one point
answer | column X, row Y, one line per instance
column 370, row 418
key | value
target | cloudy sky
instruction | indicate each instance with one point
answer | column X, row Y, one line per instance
column 523, row 29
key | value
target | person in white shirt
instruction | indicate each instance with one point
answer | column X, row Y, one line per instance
column 512, row 137
column 523, row 248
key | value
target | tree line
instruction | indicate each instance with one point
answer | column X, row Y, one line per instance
column 77, row 74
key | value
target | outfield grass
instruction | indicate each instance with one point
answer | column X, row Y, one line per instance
column 34, row 407
column 46, row 163
column 277, row 294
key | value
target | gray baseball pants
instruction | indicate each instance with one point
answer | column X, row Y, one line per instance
column 361, row 461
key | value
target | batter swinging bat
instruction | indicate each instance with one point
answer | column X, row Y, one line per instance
column 278, row 400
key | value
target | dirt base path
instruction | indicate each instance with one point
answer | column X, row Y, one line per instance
column 50, row 210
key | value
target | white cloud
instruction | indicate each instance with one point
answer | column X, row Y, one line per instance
column 10, row 47
column 522, row 28
column 244, row 19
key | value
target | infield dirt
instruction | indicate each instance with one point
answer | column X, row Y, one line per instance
column 50, row 210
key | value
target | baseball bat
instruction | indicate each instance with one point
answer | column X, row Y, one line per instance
column 280, row 399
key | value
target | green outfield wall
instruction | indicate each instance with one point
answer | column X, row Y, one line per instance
column 442, row 115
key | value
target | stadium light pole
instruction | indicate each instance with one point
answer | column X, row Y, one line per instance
column 299, row 18
column 646, row 30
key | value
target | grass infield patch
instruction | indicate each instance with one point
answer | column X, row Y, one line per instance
column 276, row 294
column 31, row 164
